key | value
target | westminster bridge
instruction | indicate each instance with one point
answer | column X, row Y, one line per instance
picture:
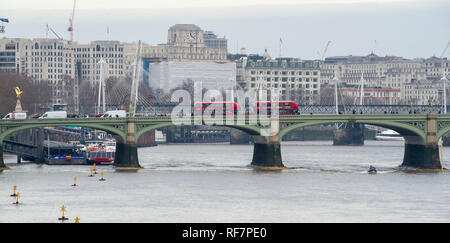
column 420, row 131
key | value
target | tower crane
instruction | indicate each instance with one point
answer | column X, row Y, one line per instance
column 70, row 29
column 324, row 51
column 443, row 53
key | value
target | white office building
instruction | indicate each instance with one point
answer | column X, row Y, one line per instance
column 168, row 75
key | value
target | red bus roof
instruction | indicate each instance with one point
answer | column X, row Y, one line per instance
column 293, row 102
column 216, row 102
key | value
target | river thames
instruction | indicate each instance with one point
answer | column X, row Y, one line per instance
column 198, row 183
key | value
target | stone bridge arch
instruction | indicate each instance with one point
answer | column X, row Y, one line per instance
column 116, row 128
column 421, row 149
column 141, row 129
column 412, row 132
column 110, row 129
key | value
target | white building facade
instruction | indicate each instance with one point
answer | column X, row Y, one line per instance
column 168, row 75
column 284, row 75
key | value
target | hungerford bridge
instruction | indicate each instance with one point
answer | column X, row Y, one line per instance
column 420, row 131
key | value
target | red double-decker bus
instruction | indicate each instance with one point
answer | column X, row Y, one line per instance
column 229, row 108
column 284, row 107
column 226, row 108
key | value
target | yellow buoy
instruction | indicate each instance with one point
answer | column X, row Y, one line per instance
column 63, row 209
column 17, row 198
column 74, row 181
column 14, row 188
column 91, row 175
column 77, row 220
column 102, row 179
column 95, row 168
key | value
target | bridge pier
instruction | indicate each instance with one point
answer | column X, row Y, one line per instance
column 126, row 153
column 420, row 153
column 267, row 152
column 421, row 156
column 2, row 163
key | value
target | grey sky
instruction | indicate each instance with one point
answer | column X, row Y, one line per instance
column 399, row 27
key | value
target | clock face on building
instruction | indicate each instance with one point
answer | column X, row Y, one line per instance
column 190, row 36
column 193, row 35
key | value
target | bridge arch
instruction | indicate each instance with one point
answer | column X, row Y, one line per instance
column 441, row 133
column 112, row 130
column 13, row 127
column 409, row 132
column 251, row 130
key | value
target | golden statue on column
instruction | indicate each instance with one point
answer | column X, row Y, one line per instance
column 18, row 94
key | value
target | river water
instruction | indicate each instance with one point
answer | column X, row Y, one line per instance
column 213, row 183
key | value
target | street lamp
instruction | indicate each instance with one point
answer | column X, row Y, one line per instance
column 444, row 81
column 431, row 103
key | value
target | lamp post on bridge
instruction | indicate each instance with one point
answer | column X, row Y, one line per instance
column 135, row 84
column 101, row 87
column 335, row 79
column 431, row 103
column 444, row 81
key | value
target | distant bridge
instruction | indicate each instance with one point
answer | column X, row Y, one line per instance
column 21, row 149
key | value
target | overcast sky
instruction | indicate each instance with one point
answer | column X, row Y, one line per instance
column 408, row 28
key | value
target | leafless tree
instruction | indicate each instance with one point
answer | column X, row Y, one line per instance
column 327, row 97
column 35, row 97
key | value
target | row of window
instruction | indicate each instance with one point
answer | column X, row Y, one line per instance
column 49, row 64
column 47, row 54
column 284, row 79
column 49, row 59
column 44, row 47
column 422, row 92
column 374, row 94
column 98, row 60
column 7, row 59
column 7, row 54
column 307, row 86
column 110, row 66
column 60, row 47
column 314, row 73
column 99, row 55
column 98, row 48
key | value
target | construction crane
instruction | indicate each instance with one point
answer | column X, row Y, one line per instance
column 48, row 28
column 443, row 53
column 70, row 29
column 325, row 51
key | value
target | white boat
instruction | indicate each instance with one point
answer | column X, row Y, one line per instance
column 160, row 137
column 389, row 135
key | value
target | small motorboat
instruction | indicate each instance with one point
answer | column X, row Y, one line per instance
column 372, row 170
